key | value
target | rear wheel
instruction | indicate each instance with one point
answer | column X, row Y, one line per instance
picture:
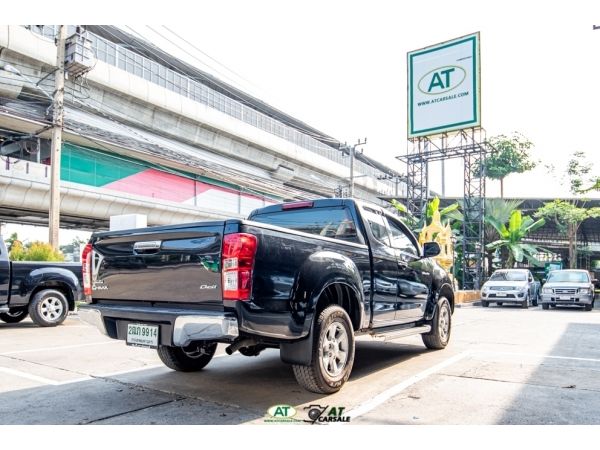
column 187, row 359
column 14, row 316
column 441, row 325
column 545, row 306
column 49, row 308
column 332, row 355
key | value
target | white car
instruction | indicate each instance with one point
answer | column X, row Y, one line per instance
column 511, row 286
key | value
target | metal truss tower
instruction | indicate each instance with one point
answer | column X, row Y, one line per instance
column 471, row 145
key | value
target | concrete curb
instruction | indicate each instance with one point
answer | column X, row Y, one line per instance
column 468, row 304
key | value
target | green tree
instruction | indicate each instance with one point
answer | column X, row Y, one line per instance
column 497, row 210
column 35, row 251
column 511, row 156
column 11, row 240
column 568, row 217
column 511, row 237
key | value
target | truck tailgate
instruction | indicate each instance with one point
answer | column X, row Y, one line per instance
column 178, row 264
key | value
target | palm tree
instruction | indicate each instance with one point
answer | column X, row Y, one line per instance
column 511, row 238
column 497, row 210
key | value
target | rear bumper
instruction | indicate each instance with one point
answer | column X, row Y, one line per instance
column 178, row 327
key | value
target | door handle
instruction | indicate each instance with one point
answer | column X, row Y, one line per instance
column 146, row 246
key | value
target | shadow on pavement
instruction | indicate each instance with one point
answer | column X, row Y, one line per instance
column 563, row 391
column 229, row 390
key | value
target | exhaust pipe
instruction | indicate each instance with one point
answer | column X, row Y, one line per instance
column 239, row 344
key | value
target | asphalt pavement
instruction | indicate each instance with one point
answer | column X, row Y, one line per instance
column 504, row 365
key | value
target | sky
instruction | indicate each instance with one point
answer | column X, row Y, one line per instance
column 341, row 67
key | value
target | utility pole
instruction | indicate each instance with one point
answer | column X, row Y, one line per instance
column 57, row 126
column 352, row 149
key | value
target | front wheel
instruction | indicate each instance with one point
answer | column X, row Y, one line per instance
column 49, row 308
column 14, row 316
column 536, row 299
column 441, row 325
column 589, row 307
column 485, row 303
column 332, row 354
column 187, row 359
column 525, row 303
column 545, row 306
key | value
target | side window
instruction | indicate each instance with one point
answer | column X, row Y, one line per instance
column 400, row 239
column 377, row 226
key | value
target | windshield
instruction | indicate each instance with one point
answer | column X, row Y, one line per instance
column 508, row 276
column 573, row 277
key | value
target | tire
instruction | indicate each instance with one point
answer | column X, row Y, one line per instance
column 14, row 316
column 333, row 343
column 535, row 301
column 589, row 307
column 525, row 303
column 545, row 306
column 441, row 326
column 485, row 303
column 49, row 308
column 189, row 359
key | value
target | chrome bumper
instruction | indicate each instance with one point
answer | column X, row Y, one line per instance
column 185, row 326
column 4, row 309
column 575, row 299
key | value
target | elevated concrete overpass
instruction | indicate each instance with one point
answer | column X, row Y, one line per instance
column 167, row 146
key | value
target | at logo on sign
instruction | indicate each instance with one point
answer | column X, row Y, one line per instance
column 442, row 79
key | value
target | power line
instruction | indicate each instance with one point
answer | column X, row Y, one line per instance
column 208, row 56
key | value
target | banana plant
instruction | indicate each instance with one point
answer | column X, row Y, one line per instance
column 449, row 212
column 511, row 237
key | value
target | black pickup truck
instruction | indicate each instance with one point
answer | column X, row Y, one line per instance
column 304, row 277
column 46, row 291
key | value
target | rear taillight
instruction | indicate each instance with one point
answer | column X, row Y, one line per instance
column 239, row 250
column 86, row 269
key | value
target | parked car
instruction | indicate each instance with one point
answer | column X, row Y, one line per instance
column 511, row 286
column 46, row 291
column 568, row 287
column 304, row 277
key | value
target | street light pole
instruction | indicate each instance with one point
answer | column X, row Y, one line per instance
column 56, row 144
column 352, row 150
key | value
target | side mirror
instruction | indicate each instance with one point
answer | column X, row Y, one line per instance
column 431, row 249
column 543, row 280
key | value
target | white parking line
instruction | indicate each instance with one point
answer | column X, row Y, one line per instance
column 64, row 347
column 38, row 379
column 537, row 355
column 381, row 398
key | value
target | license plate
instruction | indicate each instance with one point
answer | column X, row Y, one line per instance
column 564, row 297
column 141, row 335
column 500, row 294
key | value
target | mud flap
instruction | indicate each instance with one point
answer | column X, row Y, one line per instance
column 298, row 352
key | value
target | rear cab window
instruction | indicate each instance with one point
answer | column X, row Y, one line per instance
column 331, row 222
